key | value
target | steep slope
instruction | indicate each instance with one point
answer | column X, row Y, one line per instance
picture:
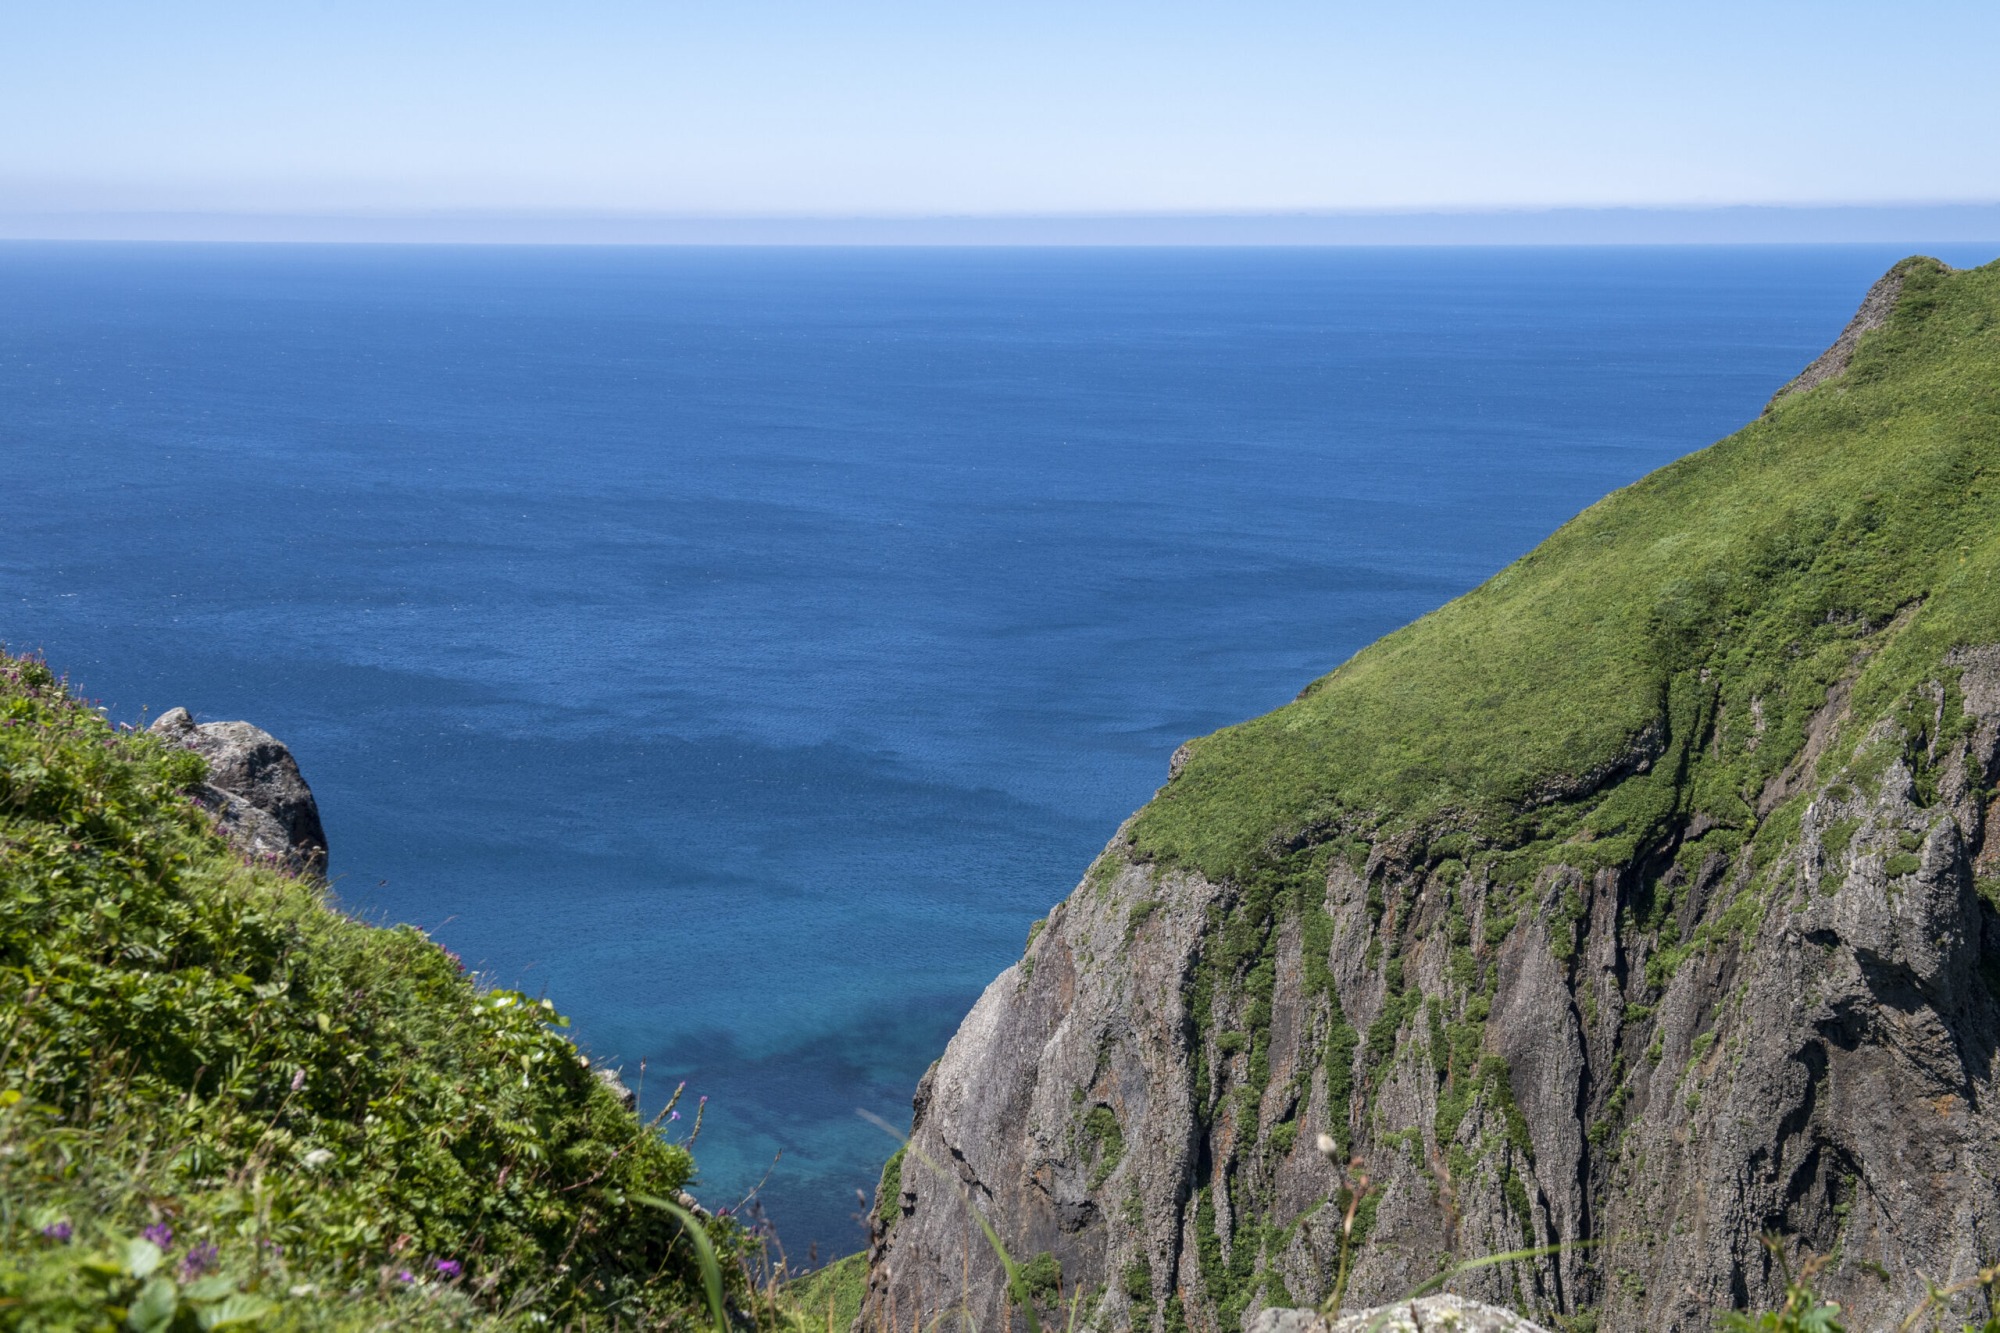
column 224, row 1104
column 1636, row 897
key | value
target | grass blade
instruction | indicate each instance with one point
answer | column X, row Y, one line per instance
column 1016, row 1286
column 711, row 1267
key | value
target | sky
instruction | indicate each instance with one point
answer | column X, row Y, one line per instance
column 891, row 107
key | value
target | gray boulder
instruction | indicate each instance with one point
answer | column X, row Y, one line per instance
column 255, row 788
column 1428, row 1314
column 612, row 1080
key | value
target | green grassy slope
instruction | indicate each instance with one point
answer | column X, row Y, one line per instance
column 831, row 1297
column 1728, row 590
column 324, row 1124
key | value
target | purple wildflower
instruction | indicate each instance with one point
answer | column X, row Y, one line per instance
column 405, row 1275
column 199, row 1260
column 673, row 1115
column 448, row 1268
column 59, row 1231
column 160, row 1234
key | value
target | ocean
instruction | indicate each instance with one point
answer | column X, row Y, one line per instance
column 743, row 646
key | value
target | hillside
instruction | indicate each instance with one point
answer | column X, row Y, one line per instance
column 225, row 1105
column 1635, row 898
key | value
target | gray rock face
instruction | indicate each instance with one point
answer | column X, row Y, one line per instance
column 1805, row 1046
column 255, row 788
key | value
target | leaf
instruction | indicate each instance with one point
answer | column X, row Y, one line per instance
column 236, row 1311
column 156, row 1306
column 141, row 1257
column 711, row 1267
column 211, row 1288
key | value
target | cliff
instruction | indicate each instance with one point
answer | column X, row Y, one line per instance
column 1641, row 897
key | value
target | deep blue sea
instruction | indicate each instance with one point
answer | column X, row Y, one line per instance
column 744, row 646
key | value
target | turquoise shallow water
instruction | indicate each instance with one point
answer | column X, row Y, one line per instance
column 744, row 646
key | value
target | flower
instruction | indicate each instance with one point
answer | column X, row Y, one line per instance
column 405, row 1275
column 449, row 1268
column 160, row 1234
column 298, row 1080
column 673, row 1115
column 199, row 1260
column 58, row 1231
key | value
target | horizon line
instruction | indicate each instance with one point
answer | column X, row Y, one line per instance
column 1958, row 222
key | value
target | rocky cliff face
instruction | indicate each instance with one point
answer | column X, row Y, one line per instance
column 1733, row 972
column 255, row 788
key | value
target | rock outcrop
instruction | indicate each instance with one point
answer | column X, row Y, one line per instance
column 614, row 1079
column 1727, row 968
column 255, row 789
column 1427, row 1314
column 1875, row 310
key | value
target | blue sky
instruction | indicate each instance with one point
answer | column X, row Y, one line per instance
column 889, row 107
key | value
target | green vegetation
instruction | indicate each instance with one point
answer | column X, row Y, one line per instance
column 1037, row 1282
column 889, row 1190
column 831, row 1297
column 1689, row 624
column 224, row 1104
column 1102, row 1127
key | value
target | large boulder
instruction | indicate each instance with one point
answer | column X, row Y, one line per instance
column 255, row 788
column 1427, row 1314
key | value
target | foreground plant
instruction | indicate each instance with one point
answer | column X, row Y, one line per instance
column 225, row 1104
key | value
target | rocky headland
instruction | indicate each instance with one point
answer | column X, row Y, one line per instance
column 1637, row 905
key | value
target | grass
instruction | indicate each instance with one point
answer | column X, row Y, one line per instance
column 225, row 1104
column 833, row 1293
column 1724, row 593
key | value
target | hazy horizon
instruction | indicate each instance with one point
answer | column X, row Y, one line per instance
column 1741, row 225
column 616, row 110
